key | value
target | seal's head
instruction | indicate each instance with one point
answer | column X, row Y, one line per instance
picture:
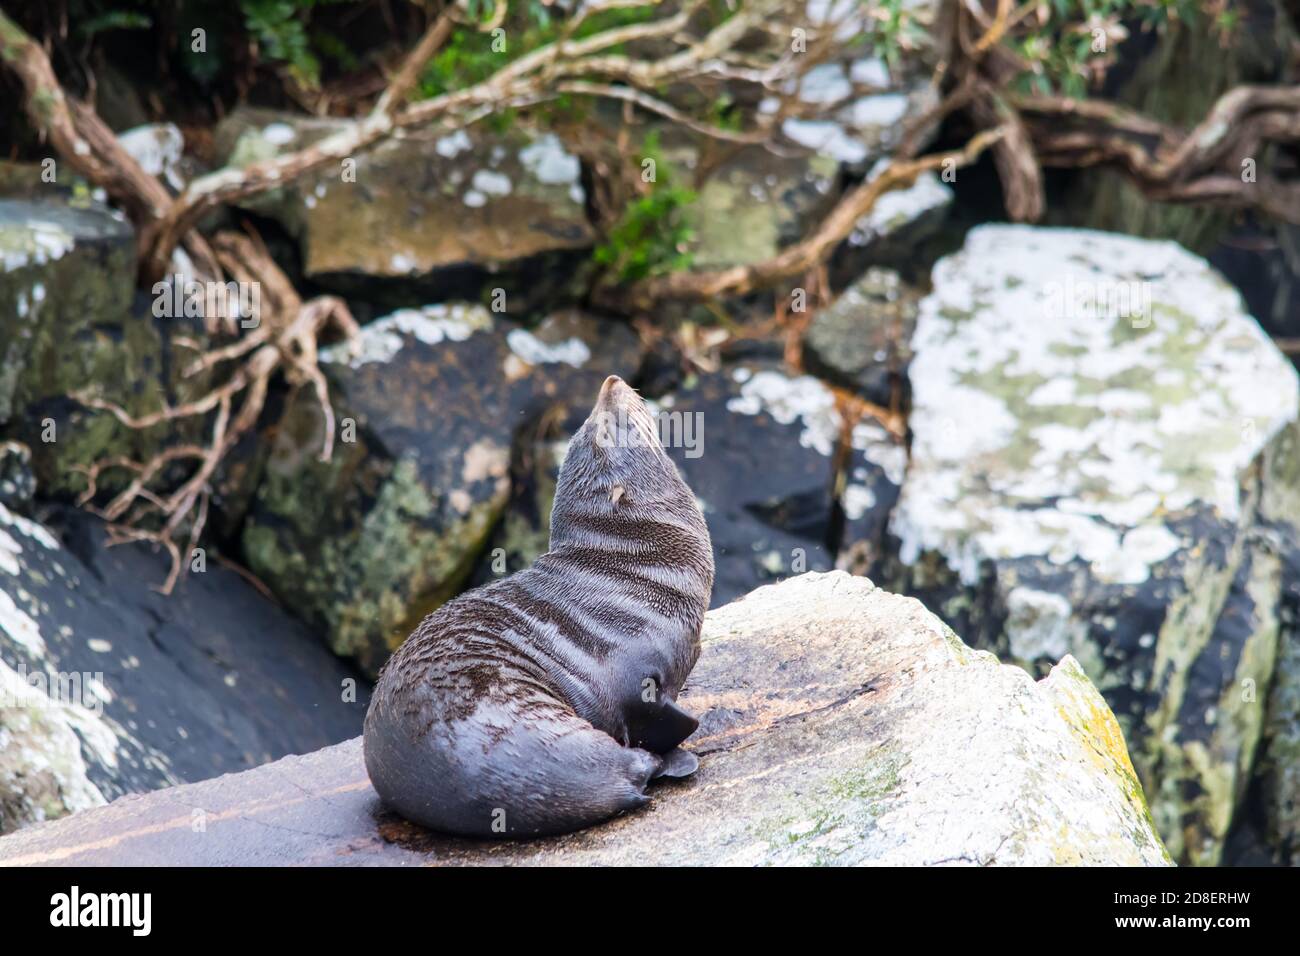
column 616, row 461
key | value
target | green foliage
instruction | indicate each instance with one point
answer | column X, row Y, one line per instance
column 1069, row 44
column 471, row 56
column 891, row 29
column 281, row 27
column 652, row 237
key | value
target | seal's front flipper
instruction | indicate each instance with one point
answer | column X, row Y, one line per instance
column 677, row 763
column 663, row 728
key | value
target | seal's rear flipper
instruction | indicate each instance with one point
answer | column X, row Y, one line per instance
column 677, row 763
column 666, row 726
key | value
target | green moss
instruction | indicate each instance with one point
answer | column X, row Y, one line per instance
column 357, row 544
column 828, row 827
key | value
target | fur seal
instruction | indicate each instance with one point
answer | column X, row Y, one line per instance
column 545, row 702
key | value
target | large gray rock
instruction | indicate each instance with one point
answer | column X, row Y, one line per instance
column 1104, row 464
column 840, row 725
column 429, row 406
column 107, row 687
column 863, row 340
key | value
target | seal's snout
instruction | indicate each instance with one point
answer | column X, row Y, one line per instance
column 612, row 391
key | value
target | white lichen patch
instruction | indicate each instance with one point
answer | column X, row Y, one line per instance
column 824, row 84
column 449, row 147
column 803, row 400
column 33, row 242
column 879, row 448
column 826, row 137
column 898, row 207
column 279, row 134
column 158, row 147
column 549, row 162
column 1071, row 389
column 884, row 110
column 20, row 627
column 858, row 499
column 11, row 547
column 531, row 349
column 1039, row 625
column 490, row 183
column 382, row 339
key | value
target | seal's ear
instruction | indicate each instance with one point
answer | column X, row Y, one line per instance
column 664, row 728
column 677, row 763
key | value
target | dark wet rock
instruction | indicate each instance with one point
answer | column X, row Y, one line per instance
column 420, row 204
column 1263, row 261
column 863, row 340
column 1104, row 464
column 118, row 689
column 117, row 96
column 432, row 400
column 762, row 467
column 840, row 725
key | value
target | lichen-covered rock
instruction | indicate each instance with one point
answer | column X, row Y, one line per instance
column 862, row 341
column 159, row 149
column 429, row 402
column 421, row 203
column 754, row 203
column 107, row 687
column 1095, row 422
column 1278, row 775
column 524, row 532
column 65, row 273
column 839, row 725
column 43, row 773
column 70, row 319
